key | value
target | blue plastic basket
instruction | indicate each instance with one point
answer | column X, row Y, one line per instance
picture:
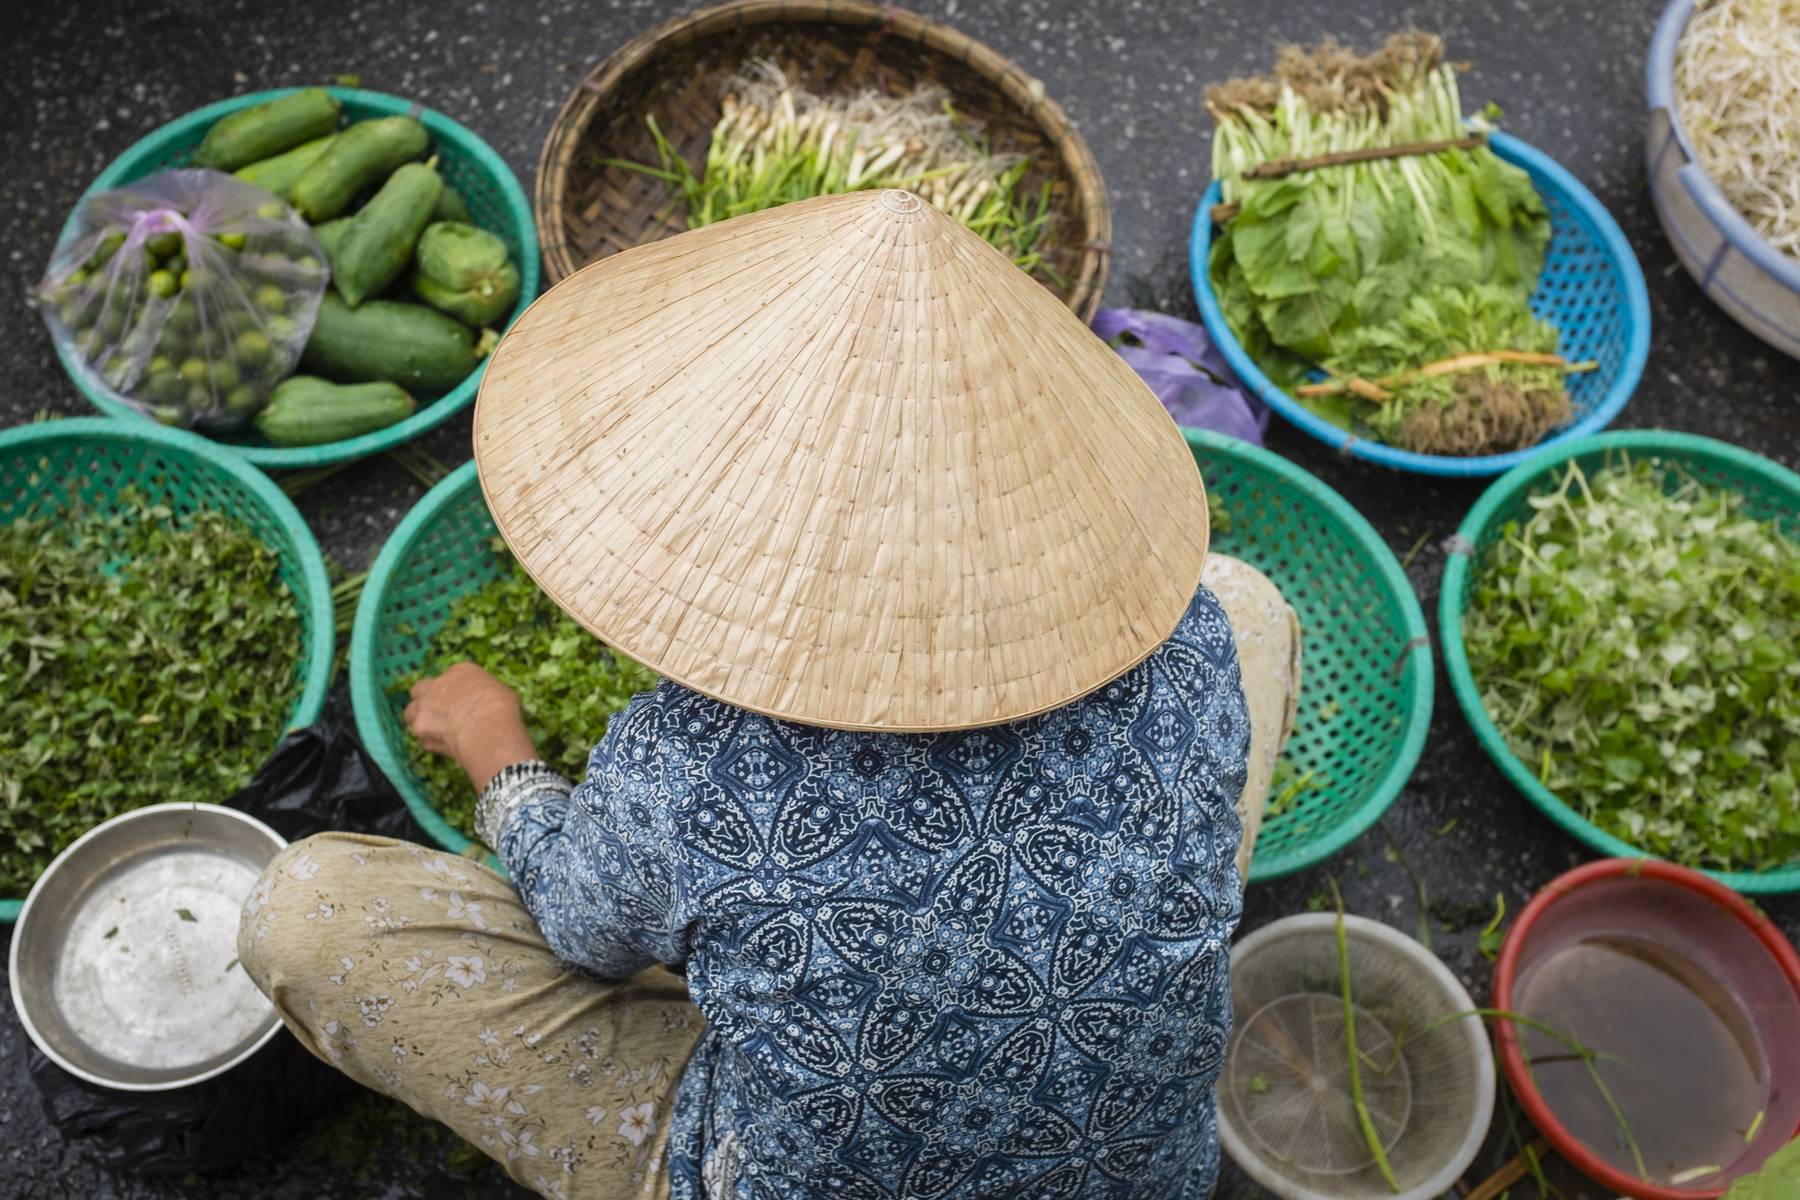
column 1591, row 289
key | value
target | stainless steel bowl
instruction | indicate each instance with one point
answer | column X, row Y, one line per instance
column 124, row 959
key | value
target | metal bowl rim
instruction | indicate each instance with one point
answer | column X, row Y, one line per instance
column 18, row 939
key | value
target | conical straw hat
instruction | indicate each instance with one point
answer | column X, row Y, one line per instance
column 841, row 462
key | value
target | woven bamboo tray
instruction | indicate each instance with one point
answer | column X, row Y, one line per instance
column 586, row 211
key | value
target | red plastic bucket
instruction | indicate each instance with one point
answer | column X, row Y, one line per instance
column 1681, row 910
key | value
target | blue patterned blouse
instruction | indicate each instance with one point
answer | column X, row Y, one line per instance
column 989, row 963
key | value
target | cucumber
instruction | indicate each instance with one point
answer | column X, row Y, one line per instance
column 359, row 158
column 379, row 242
column 268, row 129
column 277, row 174
column 464, row 271
column 329, row 235
column 420, row 349
column 308, row 411
column 450, row 207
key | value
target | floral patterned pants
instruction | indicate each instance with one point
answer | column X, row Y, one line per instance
column 421, row 975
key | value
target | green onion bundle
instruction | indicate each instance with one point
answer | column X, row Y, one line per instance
column 1369, row 236
column 776, row 143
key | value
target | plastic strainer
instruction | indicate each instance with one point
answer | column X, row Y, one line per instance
column 1285, row 1113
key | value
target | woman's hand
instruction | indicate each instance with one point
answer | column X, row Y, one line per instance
column 472, row 717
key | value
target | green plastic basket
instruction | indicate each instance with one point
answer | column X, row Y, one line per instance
column 1366, row 677
column 1769, row 491
column 1367, row 651
column 437, row 555
column 466, row 162
column 55, row 464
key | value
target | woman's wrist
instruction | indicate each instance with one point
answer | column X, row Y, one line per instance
column 510, row 788
column 493, row 751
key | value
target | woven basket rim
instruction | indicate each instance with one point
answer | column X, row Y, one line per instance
column 1570, row 190
column 1417, row 666
column 430, row 415
column 1023, row 89
column 315, row 609
column 368, row 695
column 1453, row 603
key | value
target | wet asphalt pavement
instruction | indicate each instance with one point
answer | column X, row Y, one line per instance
column 85, row 78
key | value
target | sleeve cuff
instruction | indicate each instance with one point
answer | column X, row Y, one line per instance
column 509, row 789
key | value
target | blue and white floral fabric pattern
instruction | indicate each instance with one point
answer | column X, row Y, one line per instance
column 973, row 964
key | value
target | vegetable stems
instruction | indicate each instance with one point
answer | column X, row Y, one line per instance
column 1276, row 168
column 775, row 143
column 1363, row 1119
column 1377, row 390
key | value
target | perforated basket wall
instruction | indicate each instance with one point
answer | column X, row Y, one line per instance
column 50, row 467
column 467, row 164
column 1770, row 491
column 440, row 552
column 1365, row 696
column 1591, row 289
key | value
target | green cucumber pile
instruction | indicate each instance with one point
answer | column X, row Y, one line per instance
column 569, row 683
column 143, row 658
column 416, row 287
column 1633, row 641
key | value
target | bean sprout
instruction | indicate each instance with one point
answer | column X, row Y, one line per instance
column 1737, row 76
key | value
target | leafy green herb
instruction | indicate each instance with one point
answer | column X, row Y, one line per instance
column 1779, row 1178
column 1491, row 933
column 110, row 934
column 1634, row 641
column 142, row 655
column 1390, row 271
column 569, row 684
column 229, row 966
column 185, row 915
column 1287, row 783
column 1259, row 1083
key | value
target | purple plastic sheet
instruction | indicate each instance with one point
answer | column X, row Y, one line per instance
column 1185, row 370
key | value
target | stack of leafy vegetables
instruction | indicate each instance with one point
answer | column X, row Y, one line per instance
column 1368, row 235
column 569, row 683
column 777, row 143
column 142, row 659
column 1634, row 642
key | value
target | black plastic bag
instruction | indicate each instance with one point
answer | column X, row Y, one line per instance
column 319, row 778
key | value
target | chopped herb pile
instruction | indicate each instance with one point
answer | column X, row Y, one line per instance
column 142, row 657
column 569, row 683
column 1635, row 641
